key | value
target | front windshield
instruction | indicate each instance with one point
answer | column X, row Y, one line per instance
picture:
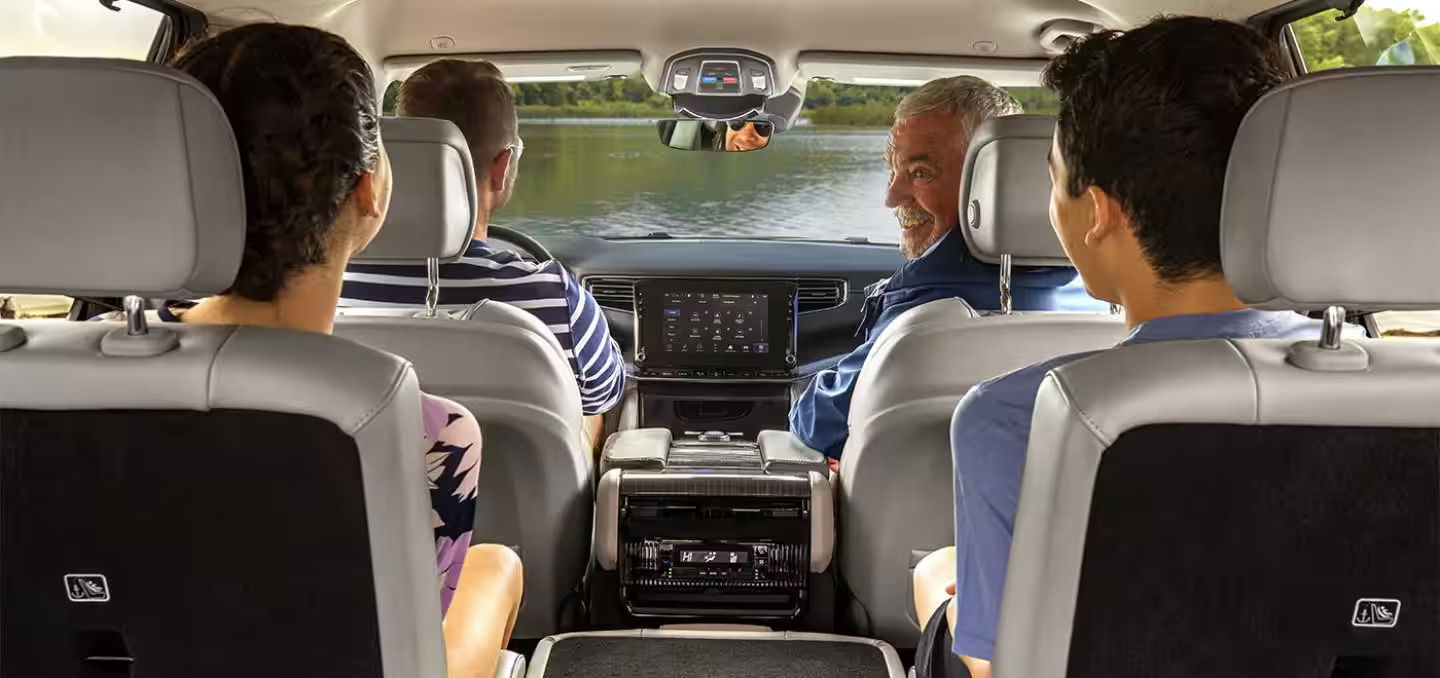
column 593, row 165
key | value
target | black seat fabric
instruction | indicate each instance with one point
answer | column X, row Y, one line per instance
column 210, row 550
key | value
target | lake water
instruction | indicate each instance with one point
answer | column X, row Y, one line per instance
column 614, row 178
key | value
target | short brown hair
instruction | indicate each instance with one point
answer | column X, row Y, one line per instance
column 471, row 94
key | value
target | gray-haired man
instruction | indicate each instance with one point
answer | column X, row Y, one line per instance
column 926, row 157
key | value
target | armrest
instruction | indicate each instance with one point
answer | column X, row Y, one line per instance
column 641, row 449
column 510, row 665
column 784, row 453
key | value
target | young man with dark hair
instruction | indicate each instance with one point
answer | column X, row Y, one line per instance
column 1147, row 119
column 474, row 96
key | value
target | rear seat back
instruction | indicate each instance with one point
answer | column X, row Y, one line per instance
column 500, row 362
column 896, row 487
column 192, row 500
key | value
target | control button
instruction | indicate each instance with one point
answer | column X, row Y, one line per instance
column 757, row 79
column 682, row 373
column 665, row 373
column 680, row 82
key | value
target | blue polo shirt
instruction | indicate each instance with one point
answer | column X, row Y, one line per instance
column 820, row 417
column 988, row 439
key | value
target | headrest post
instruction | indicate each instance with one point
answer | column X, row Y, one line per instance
column 135, row 325
column 1334, row 324
column 1117, row 309
column 1005, row 270
column 432, row 286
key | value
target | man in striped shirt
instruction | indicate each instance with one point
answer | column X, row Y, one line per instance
column 474, row 96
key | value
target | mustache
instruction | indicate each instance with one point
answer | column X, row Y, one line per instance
column 912, row 216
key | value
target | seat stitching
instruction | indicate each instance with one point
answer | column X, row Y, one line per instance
column 1090, row 422
column 1254, row 379
column 389, row 396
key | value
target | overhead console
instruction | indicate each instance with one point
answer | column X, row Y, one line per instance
column 720, row 84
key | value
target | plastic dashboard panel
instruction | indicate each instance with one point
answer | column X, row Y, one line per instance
column 821, row 335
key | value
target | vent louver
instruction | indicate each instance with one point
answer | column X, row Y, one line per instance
column 813, row 294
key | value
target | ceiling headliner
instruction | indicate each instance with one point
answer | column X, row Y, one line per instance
column 659, row 28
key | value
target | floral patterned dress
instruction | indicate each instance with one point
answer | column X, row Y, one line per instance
column 452, row 462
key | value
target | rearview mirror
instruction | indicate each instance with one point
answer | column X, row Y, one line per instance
column 715, row 135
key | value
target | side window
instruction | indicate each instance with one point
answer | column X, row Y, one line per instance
column 1408, row 323
column 33, row 306
column 1382, row 33
column 76, row 28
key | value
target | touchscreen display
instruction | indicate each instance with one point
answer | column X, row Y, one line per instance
column 715, row 323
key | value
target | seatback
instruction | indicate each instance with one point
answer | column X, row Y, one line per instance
column 186, row 500
column 896, row 493
column 1257, row 507
column 501, row 362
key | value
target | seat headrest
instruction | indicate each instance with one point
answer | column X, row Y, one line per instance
column 433, row 206
column 1330, row 193
column 1004, row 197
column 116, row 177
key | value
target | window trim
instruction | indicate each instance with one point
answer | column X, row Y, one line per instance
column 181, row 24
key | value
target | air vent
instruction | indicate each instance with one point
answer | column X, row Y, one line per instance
column 613, row 293
column 820, row 295
column 814, row 294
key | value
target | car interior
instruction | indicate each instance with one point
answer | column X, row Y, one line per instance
column 172, row 477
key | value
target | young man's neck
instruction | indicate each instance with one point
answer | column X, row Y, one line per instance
column 307, row 302
column 1158, row 299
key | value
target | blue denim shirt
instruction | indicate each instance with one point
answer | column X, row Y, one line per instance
column 989, row 435
column 947, row 270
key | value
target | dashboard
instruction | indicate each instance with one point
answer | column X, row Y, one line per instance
column 721, row 334
column 829, row 279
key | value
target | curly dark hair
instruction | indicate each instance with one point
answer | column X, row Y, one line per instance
column 302, row 104
column 1149, row 115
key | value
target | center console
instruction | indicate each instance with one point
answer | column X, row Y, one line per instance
column 714, row 358
column 693, row 530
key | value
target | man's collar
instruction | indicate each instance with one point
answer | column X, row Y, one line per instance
column 941, row 259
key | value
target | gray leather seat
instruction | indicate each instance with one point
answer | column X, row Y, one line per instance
column 536, row 484
column 215, row 501
column 896, row 485
column 1265, row 506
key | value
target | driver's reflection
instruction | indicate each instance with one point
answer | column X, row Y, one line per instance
column 745, row 136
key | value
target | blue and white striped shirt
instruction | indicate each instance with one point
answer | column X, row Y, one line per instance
column 545, row 290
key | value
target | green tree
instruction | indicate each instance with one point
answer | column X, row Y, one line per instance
column 1326, row 43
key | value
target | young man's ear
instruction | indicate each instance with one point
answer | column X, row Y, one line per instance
column 367, row 196
column 1108, row 216
column 499, row 171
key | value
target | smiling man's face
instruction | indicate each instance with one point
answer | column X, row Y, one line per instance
column 926, row 157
